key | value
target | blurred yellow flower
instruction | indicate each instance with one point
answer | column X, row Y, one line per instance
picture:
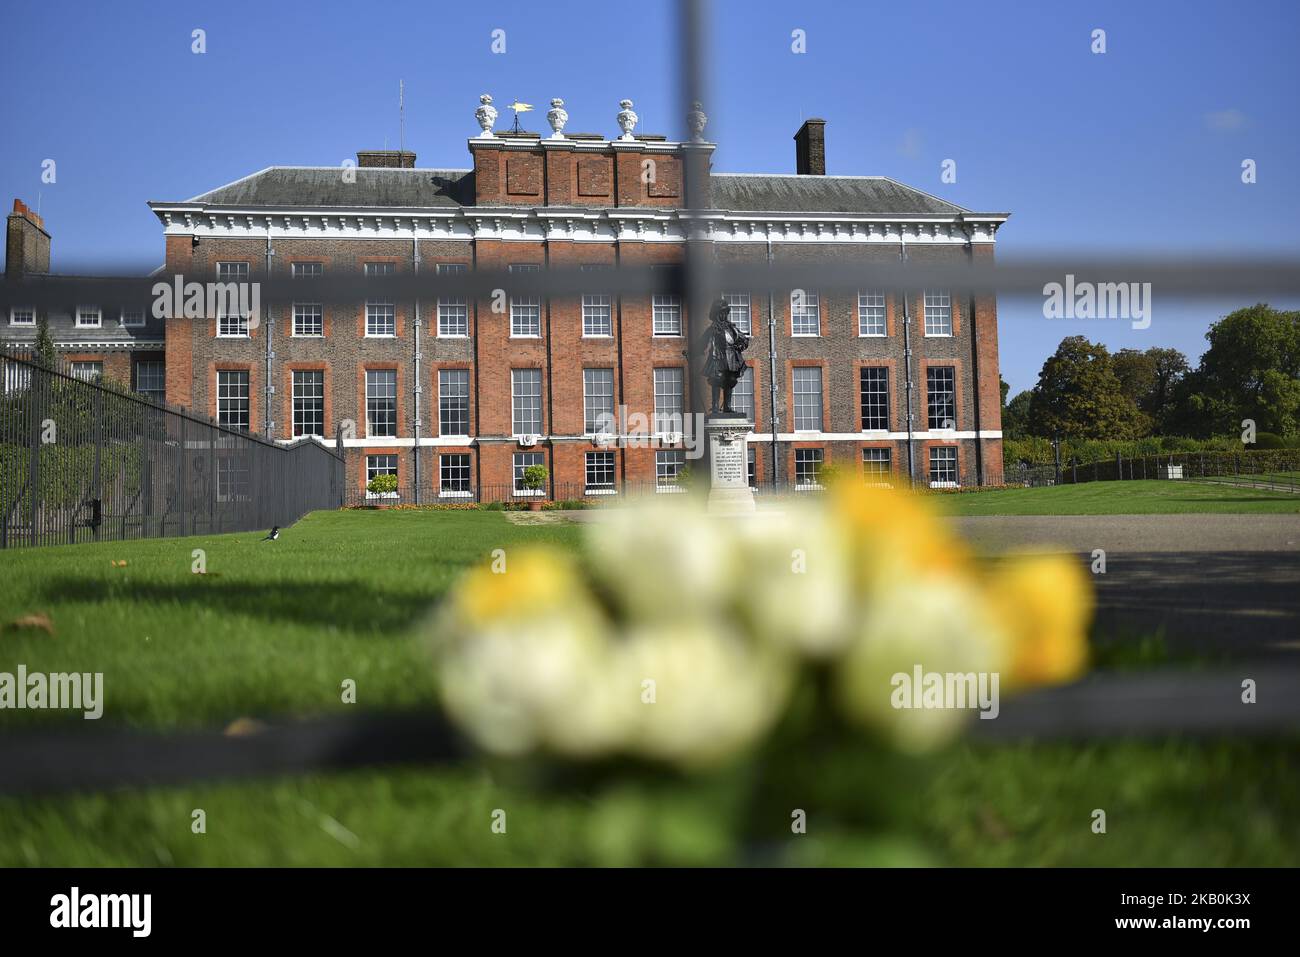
column 1045, row 603
column 520, row 582
column 895, row 534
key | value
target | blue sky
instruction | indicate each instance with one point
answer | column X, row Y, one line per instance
column 1134, row 150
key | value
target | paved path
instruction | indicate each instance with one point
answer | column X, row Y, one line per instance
column 1136, row 533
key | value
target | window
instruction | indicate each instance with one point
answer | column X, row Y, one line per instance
column 151, row 379
column 598, row 400
column 18, row 378
column 875, row 466
column 523, row 461
column 236, row 324
column 306, row 270
column 22, row 316
column 232, row 398
column 453, row 311
column 875, row 398
column 667, row 315
column 381, row 319
column 308, row 402
column 751, row 467
column 668, row 465
column 380, row 465
column 307, row 319
column 807, row 398
column 940, row 389
column 938, row 313
column 89, row 317
column 525, row 311
column 453, row 474
column 381, row 402
column 597, row 317
column 526, row 401
column 600, row 471
column 738, row 306
column 379, row 269
column 943, row 467
column 871, row 313
column 742, row 397
column 453, row 402
column 807, row 466
column 129, row 318
column 88, row 371
column 233, row 479
column 805, row 313
column 668, row 400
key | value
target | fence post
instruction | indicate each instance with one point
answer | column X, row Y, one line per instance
column 38, row 375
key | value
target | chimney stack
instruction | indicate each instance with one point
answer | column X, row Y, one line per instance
column 385, row 159
column 810, row 148
column 27, row 244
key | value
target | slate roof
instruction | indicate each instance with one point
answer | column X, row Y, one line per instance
column 290, row 186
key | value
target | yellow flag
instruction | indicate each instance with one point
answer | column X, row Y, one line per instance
column 520, row 107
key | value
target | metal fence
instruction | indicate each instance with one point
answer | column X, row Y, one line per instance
column 1273, row 470
column 89, row 461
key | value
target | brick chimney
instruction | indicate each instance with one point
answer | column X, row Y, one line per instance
column 386, row 159
column 810, row 148
column 27, row 244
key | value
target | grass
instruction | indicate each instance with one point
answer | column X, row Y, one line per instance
column 273, row 629
column 1138, row 497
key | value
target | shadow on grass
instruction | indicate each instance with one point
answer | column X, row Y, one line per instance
column 349, row 605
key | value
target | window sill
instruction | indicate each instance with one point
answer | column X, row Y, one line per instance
column 380, row 335
column 449, row 335
column 670, row 490
column 530, row 493
column 873, row 335
column 378, row 495
column 810, row 487
column 937, row 335
column 455, row 495
column 805, row 335
column 306, row 335
column 600, row 491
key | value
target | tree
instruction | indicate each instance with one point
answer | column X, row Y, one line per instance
column 45, row 355
column 1015, row 416
column 1078, row 395
column 1149, row 378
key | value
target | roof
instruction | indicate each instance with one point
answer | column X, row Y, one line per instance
column 792, row 193
column 324, row 186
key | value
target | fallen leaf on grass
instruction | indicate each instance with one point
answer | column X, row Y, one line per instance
column 38, row 621
column 117, row 564
column 243, row 727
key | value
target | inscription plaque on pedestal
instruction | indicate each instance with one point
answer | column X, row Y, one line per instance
column 729, row 491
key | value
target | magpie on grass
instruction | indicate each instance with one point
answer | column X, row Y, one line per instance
column 273, row 534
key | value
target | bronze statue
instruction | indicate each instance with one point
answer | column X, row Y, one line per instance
column 725, row 357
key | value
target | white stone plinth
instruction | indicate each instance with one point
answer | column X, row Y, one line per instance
column 729, row 491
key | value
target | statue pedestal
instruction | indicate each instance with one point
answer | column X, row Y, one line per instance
column 729, row 491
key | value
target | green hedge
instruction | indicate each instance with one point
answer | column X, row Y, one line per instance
column 1038, row 451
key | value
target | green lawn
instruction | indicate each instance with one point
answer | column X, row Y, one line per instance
column 1138, row 497
column 274, row 628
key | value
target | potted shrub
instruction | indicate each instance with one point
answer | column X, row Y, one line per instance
column 535, row 477
column 382, row 486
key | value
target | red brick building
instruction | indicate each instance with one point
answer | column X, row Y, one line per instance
column 456, row 399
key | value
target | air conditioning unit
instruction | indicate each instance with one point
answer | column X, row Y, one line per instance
column 671, row 438
column 528, row 441
column 602, row 440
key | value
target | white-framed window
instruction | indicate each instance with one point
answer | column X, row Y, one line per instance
column 381, row 319
column 151, row 378
column 22, row 316
column 306, row 270
column 938, row 312
column 234, row 482
column 738, row 310
column 453, row 311
column 876, row 467
column 378, row 269
column 668, row 399
column 522, row 462
column 453, row 402
column 807, row 467
column 597, row 315
column 308, row 402
column 454, row 474
column 382, row 464
column 526, row 401
column 597, row 400
column 18, row 378
column 88, row 371
column 308, row 318
column 525, row 311
column 600, row 472
column 668, row 465
column 381, row 402
column 807, row 394
column 742, row 396
column 667, row 311
column 129, row 317
column 805, row 313
column 941, row 396
column 89, row 317
column 943, row 466
column 232, row 398
column 751, row 466
column 231, row 326
column 871, row 312
column 874, row 384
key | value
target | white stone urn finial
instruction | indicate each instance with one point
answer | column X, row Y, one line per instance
column 695, row 121
column 558, row 116
column 626, row 120
column 486, row 115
